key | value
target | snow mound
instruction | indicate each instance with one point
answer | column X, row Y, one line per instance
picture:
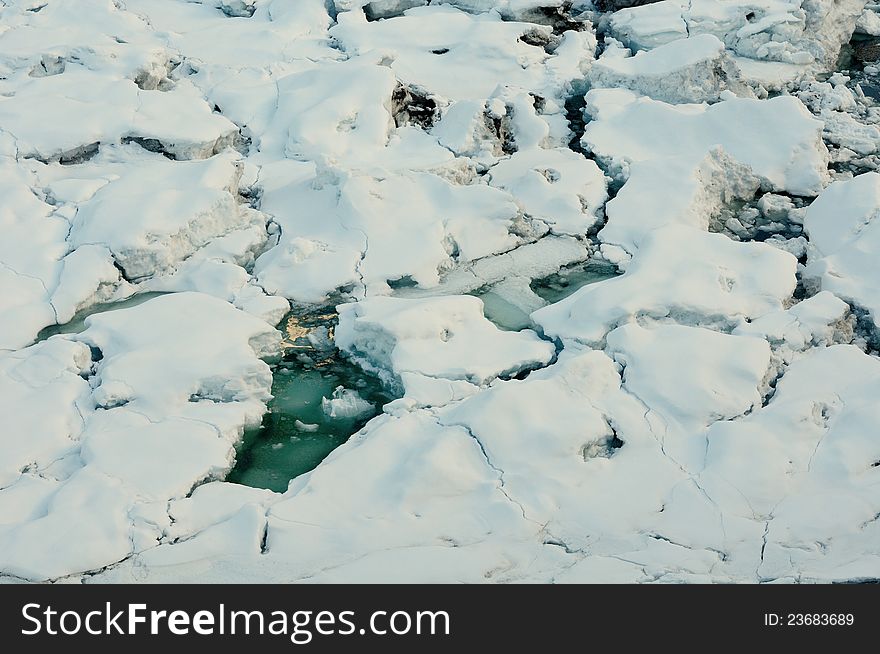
column 558, row 187
column 345, row 403
column 695, row 69
column 444, row 337
column 722, row 282
column 159, row 213
column 778, row 139
column 844, row 228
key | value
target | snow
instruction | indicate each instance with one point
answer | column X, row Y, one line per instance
column 54, row 117
column 818, row 320
column 352, row 243
column 613, row 269
column 815, row 433
column 414, row 43
column 844, row 237
column 869, row 22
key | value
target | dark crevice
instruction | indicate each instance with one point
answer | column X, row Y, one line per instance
column 122, row 272
column 865, row 332
column 540, row 39
column 402, row 282
column 242, row 142
column 379, row 10
column 150, row 145
column 330, row 6
column 79, row 155
column 559, row 19
column 577, row 122
column 96, row 354
column 252, row 196
column 539, row 103
column 409, row 106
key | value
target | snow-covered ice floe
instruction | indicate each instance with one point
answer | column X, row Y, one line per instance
column 595, row 283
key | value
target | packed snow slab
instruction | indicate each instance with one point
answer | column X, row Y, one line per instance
column 434, row 48
column 157, row 213
column 720, row 282
column 808, row 34
column 42, row 391
column 409, row 484
column 558, row 187
column 844, row 228
column 150, row 400
column 676, row 190
column 697, row 158
column 685, row 70
column 813, row 489
column 144, row 344
column 690, row 378
column 778, row 139
column 91, row 33
column 65, row 116
column 358, row 231
column 161, row 224
column 442, row 337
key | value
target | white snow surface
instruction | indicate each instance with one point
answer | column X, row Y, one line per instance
column 442, row 175
column 808, row 34
column 441, row 337
column 695, row 69
column 844, row 228
column 102, row 439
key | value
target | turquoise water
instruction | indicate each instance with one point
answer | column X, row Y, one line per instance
column 296, row 434
column 504, row 314
column 560, row 285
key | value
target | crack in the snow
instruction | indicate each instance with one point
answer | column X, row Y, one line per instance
column 498, row 471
